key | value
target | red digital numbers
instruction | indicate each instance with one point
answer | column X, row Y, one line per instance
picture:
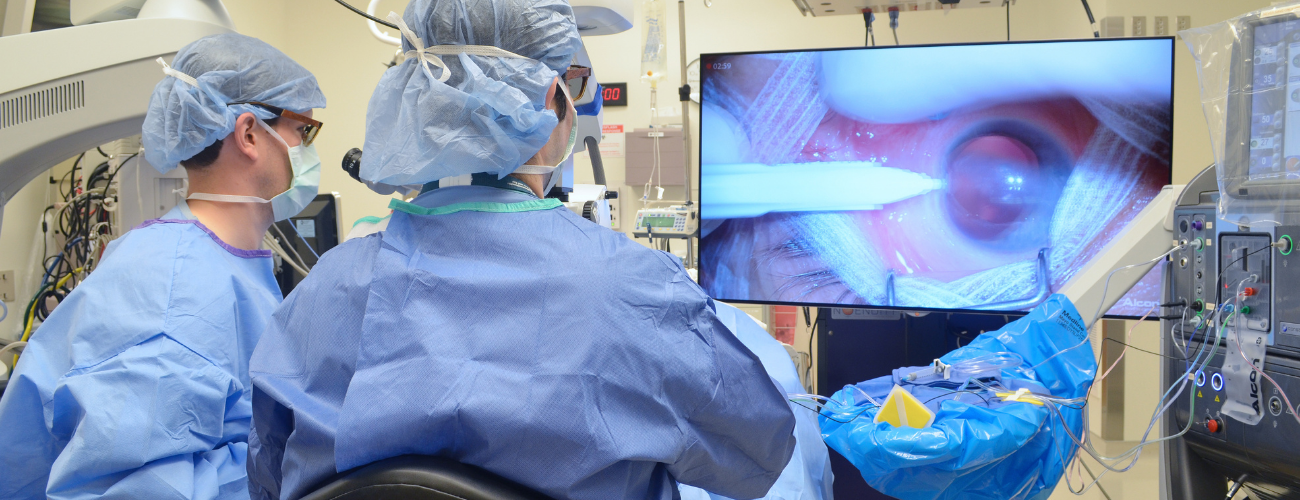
column 613, row 94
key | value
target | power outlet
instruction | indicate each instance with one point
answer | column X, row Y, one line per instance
column 1184, row 23
column 8, row 288
column 1139, row 25
column 1162, row 25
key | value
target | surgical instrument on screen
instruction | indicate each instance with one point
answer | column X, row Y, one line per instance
column 752, row 189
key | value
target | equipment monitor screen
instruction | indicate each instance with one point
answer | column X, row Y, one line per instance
column 1275, row 105
column 950, row 177
column 658, row 221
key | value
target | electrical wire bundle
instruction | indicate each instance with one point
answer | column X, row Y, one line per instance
column 83, row 224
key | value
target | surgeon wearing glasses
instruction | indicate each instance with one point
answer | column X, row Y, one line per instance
column 137, row 385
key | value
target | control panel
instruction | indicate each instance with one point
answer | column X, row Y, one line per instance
column 1246, row 267
column 668, row 222
column 1259, row 268
column 1286, row 299
column 1194, row 267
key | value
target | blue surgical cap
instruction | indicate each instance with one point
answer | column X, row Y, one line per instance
column 183, row 119
column 490, row 115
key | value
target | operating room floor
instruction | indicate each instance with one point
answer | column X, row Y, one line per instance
column 1139, row 483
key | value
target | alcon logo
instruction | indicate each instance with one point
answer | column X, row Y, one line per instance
column 1254, row 387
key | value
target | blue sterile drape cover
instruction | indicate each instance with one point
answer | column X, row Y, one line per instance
column 978, row 447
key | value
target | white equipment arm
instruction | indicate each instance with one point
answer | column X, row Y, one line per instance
column 1146, row 237
column 66, row 90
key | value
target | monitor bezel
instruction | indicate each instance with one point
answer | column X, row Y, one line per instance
column 699, row 164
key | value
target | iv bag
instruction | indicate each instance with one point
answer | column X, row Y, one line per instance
column 654, row 49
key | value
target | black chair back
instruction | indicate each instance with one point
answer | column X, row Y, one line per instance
column 411, row 477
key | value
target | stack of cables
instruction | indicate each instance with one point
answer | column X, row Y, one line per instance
column 83, row 222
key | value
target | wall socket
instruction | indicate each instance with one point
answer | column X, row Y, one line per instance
column 1161, row 25
column 1139, row 26
column 1184, row 23
column 8, row 288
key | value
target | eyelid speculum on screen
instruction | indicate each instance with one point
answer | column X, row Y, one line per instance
column 976, row 177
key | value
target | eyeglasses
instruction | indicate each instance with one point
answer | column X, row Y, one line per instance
column 309, row 132
column 576, row 78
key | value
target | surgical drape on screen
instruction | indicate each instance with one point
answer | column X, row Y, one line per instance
column 490, row 115
column 184, row 118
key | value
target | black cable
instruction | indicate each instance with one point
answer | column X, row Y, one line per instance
column 986, row 400
column 1008, row 4
column 370, row 17
column 893, row 23
column 1131, row 346
column 812, row 333
column 1092, row 21
column 868, row 17
column 119, row 169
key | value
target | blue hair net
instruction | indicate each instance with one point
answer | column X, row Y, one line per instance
column 490, row 114
column 185, row 118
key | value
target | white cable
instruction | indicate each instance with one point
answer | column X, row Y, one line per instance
column 289, row 245
column 13, row 346
column 270, row 242
column 383, row 36
column 1106, row 287
column 1103, row 302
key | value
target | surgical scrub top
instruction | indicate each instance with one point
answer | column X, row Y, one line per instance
column 136, row 386
column 503, row 331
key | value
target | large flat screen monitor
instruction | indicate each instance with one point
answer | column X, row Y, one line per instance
column 953, row 177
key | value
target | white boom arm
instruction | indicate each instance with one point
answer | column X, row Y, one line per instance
column 1146, row 237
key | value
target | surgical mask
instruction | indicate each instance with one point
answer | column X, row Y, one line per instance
column 568, row 150
column 302, row 190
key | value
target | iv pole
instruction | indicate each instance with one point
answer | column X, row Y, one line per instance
column 684, row 93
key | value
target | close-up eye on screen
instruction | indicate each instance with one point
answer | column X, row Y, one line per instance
column 969, row 177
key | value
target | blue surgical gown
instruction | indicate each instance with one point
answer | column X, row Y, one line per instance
column 808, row 475
column 505, row 332
column 136, row 385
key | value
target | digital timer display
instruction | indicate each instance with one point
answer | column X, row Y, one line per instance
column 615, row 94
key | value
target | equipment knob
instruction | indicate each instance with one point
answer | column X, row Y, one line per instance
column 1211, row 425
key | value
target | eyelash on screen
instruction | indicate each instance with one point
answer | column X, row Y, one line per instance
column 808, row 282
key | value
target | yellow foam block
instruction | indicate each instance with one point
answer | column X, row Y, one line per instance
column 902, row 409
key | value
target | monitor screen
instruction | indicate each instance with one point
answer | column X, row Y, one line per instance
column 956, row 177
column 1275, row 104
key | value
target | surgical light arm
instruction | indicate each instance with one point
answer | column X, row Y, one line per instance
column 1146, row 237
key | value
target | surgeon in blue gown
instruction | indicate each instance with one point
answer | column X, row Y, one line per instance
column 136, row 386
column 808, row 475
column 495, row 327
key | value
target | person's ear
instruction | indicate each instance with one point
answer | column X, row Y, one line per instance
column 245, row 136
column 550, row 94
